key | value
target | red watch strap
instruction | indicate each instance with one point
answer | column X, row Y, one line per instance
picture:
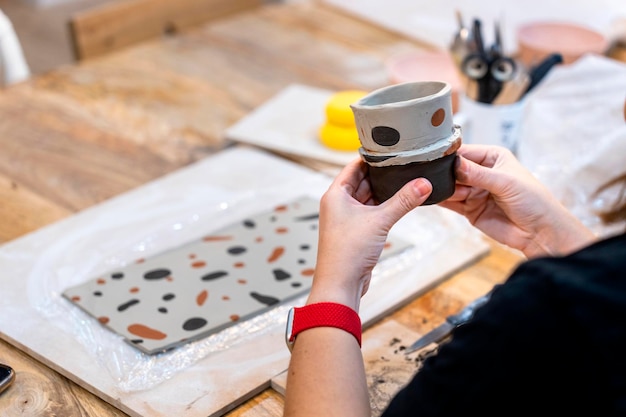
column 326, row 315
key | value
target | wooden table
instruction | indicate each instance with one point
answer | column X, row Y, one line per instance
column 85, row 133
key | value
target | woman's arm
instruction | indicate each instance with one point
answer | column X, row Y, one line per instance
column 326, row 375
column 504, row 200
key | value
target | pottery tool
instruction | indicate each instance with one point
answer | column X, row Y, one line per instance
column 443, row 331
column 489, row 69
column 463, row 41
column 7, row 376
column 474, row 66
column 513, row 90
column 471, row 89
column 542, row 69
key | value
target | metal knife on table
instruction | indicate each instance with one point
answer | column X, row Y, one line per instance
column 443, row 331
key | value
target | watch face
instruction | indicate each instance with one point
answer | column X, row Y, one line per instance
column 7, row 375
column 289, row 329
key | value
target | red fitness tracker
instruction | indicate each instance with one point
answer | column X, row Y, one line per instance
column 322, row 315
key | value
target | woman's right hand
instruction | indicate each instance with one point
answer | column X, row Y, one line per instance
column 505, row 201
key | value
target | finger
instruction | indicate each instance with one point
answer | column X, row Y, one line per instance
column 457, row 206
column 363, row 192
column 478, row 176
column 461, row 193
column 485, row 155
column 410, row 196
column 351, row 175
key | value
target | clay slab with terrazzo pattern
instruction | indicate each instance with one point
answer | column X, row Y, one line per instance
column 205, row 286
column 202, row 287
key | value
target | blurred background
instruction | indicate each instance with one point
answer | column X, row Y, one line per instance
column 41, row 26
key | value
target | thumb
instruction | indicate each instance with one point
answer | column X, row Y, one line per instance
column 410, row 196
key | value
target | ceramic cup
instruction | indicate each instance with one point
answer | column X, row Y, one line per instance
column 406, row 131
column 491, row 124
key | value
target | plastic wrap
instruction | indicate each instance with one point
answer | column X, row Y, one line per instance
column 574, row 136
column 125, row 233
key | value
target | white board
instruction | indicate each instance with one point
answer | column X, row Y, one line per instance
column 209, row 377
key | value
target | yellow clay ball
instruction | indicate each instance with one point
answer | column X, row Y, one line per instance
column 338, row 109
column 339, row 137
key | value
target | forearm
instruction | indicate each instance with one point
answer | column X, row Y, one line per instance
column 562, row 234
column 326, row 376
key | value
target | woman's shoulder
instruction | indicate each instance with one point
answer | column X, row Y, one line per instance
column 609, row 247
column 603, row 262
column 586, row 289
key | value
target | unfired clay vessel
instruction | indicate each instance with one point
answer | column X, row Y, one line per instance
column 406, row 131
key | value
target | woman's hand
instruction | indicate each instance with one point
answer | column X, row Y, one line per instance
column 504, row 200
column 353, row 232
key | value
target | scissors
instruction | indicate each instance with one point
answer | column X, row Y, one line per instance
column 489, row 69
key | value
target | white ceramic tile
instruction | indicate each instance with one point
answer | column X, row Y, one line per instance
column 289, row 122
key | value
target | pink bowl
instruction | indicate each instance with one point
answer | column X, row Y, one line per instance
column 425, row 66
column 539, row 39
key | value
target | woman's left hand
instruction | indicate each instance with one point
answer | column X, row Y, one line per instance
column 353, row 232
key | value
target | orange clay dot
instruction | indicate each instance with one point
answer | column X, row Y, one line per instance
column 438, row 117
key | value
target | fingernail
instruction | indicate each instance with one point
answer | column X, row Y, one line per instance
column 423, row 186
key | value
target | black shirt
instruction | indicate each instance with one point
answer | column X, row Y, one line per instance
column 552, row 339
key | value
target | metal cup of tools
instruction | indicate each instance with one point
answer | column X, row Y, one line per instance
column 407, row 131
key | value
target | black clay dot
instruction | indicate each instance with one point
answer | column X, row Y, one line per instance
column 97, row 293
column 281, row 274
column 127, row 304
column 265, row 299
column 194, row 323
column 308, row 217
column 296, row 284
column 249, row 224
column 236, row 250
column 162, row 310
column 214, row 275
column 117, row 275
column 157, row 274
column 168, row 297
column 385, row 135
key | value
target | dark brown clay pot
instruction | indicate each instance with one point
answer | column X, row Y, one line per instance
column 387, row 180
